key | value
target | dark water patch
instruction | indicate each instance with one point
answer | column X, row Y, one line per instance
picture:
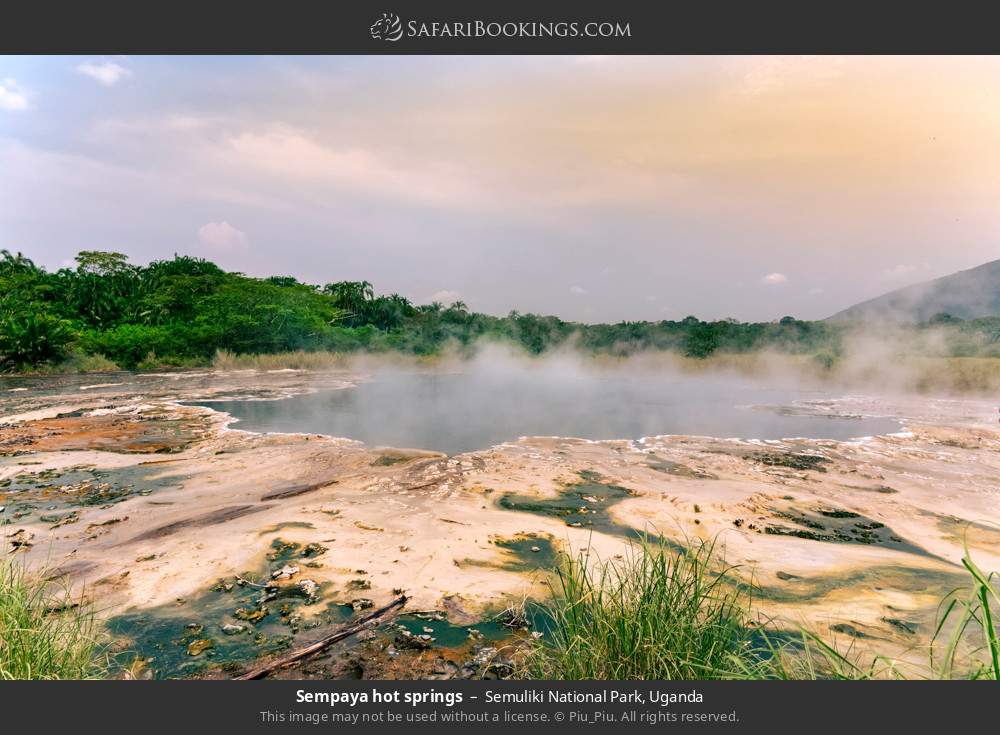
column 434, row 630
column 583, row 504
column 236, row 620
column 57, row 493
column 524, row 552
column 482, row 407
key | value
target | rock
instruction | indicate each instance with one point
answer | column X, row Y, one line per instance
column 196, row 648
column 484, row 655
column 309, row 588
column 232, row 629
column 20, row 539
column 286, row 572
column 313, row 549
column 252, row 615
column 536, row 549
column 361, row 603
column 489, row 665
column 406, row 640
column 195, row 628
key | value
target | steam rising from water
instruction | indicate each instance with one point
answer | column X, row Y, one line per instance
column 499, row 395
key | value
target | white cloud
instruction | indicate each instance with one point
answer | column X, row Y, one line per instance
column 905, row 270
column 815, row 291
column 773, row 279
column 107, row 73
column 223, row 236
column 446, row 297
column 578, row 290
column 12, row 97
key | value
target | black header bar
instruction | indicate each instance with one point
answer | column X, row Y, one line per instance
column 453, row 27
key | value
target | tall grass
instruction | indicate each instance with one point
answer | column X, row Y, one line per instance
column 660, row 613
column 42, row 634
column 297, row 360
column 652, row 614
column 969, row 615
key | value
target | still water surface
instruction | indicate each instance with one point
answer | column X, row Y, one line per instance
column 460, row 412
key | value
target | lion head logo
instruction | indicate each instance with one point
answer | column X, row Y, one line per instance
column 387, row 28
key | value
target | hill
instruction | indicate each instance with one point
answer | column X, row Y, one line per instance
column 968, row 294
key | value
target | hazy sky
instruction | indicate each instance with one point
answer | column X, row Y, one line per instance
column 595, row 188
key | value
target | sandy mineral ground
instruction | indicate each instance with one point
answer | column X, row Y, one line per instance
column 149, row 507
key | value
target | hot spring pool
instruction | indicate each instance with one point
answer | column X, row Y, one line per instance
column 466, row 411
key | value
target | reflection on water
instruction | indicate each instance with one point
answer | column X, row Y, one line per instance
column 460, row 412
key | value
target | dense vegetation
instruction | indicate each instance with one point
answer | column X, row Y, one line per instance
column 184, row 310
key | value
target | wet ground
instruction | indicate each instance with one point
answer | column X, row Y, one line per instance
column 206, row 548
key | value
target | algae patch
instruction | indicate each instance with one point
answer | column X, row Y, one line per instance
column 830, row 524
column 49, row 493
column 790, row 460
column 236, row 620
column 583, row 504
column 523, row 552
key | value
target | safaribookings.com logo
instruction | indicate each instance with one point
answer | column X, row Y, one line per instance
column 390, row 28
column 387, row 28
